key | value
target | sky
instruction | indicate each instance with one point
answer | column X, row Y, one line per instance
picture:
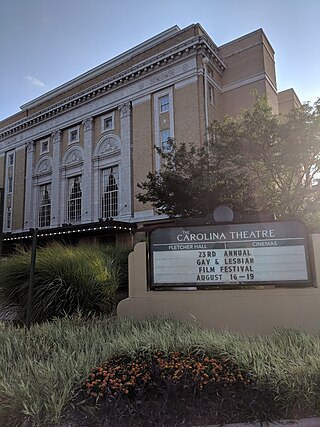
column 45, row 43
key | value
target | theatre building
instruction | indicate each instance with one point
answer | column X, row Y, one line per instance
column 70, row 160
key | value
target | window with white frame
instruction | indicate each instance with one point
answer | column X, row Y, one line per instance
column 211, row 95
column 74, row 199
column 164, row 104
column 73, row 135
column 110, row 192
column 9, row 217
column 44, row 146
column 165, row 140
column 44, row 205
column 10, row 184
column 10, row 159
column 107, row 122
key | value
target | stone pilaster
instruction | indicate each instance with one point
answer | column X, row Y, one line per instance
column 87, row 178
column 125, row 204
column 29, row 197
column 55, row 183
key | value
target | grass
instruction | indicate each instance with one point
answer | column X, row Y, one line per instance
column 66, row 279
column 41, row 370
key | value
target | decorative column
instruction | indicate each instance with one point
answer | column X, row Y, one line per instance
column 87, row 181
column 56, row 213
column 29, row 202
column 126, row 205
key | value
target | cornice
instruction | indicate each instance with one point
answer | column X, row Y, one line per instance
column 138, row 71
column 106, row 66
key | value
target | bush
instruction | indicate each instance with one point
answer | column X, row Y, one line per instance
column 178, row 387
column 66, row 279
column 119, row 256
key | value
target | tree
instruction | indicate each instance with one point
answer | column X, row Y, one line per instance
column 257, row 162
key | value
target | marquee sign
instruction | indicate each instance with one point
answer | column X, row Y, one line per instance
column 231, row 254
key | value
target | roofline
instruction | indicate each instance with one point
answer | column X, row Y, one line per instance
column 259, row 30
column 103, row 67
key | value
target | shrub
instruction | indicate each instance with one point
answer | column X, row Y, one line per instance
column 119, row 256
column 177, row 386
column 123, row 375
column 66, row 279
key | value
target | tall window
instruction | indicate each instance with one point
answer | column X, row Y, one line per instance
column 211, row 95
column 9, row 187
column 74, row 199
column 10, row 184
column 109, row 192
column 8, row 217
column 164, row 140
column 44, row 205
column 164, row 103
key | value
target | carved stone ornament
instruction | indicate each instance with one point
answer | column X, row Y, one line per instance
column 30, row 146
column 56, row 136
column 45, row 167
column 125, row 109
column 162, row 76
column 88, row 124
column 107, row 146
column 75, row 156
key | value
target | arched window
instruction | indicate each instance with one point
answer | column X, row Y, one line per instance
column 110, row 190
column 74, row 199
column 44, row 205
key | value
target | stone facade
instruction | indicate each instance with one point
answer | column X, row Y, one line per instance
column 79, row 151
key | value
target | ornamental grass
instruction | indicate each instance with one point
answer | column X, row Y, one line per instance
column 43, row 372
column 66, row 279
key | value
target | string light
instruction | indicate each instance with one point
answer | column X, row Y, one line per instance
column 57, row 233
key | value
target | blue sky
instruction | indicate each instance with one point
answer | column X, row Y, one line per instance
column 44, row 43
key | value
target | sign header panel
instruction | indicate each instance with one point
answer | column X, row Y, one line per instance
column 209, row 255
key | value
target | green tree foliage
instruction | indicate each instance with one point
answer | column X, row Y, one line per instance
column 257, row 162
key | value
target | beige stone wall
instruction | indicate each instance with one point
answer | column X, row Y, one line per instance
column 97, row 125
column 255, row 311
column 268, row 59
column 202, row 112
column 214, row 111
column 272, row 98
column 143, row 148
column 240, row 43
column 248, row 58
column 18, row 194
column 38, row 148
column 240, row 98
column 213, row 73
column 244, row 58
column 65, row 138
column 187, row 115
column 287, row 100
column 12, row 119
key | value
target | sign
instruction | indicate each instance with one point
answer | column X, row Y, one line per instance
column 231, row 254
